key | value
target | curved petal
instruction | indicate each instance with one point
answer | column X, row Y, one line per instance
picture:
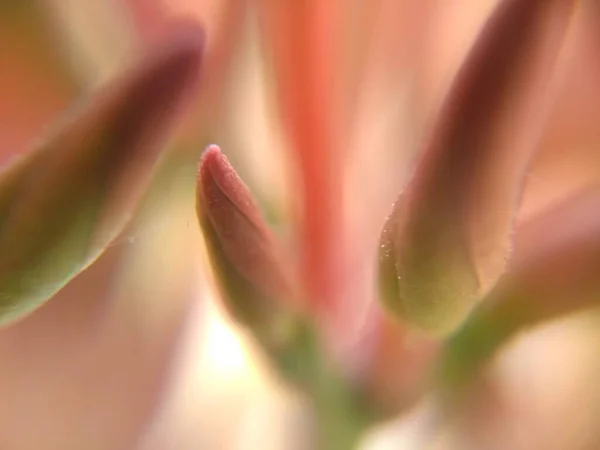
column 568, row 158
column 555, row 272
column 302, row 38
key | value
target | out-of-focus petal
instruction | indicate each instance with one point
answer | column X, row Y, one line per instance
column 94, row 37
column 568, row 158
column 448, row 237
column 98, row 35
column 223, row 21
column 63, row 202
column 554, row 272
column 34, row 81
column 538, row 393
column 302, row 40
column 395, row 364
column 90, row 369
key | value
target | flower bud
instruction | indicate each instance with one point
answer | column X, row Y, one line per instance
column 63, row 202
column 242, row 250
column 447, row 239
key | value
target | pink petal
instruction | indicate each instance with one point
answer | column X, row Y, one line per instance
column 554, row 272
column 302, row 40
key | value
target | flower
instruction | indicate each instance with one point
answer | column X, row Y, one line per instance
column 361, row 314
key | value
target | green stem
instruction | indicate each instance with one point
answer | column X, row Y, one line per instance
column 341, row 422
column 341, row 414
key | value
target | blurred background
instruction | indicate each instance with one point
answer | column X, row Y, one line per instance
column 137, row 353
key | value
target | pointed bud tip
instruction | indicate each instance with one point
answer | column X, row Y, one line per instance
column 209, row 155
column 215, row 171
column 211, row 164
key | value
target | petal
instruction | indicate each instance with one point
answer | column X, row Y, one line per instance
column 448, row 237
column 396, row 365
column 302, row 38
column 223, row 21
column 63, row 202
column 111, row 338
column 568, row 159
column 555, row 272
column 34, row 81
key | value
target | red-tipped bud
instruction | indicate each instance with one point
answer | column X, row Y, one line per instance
column 243, row 252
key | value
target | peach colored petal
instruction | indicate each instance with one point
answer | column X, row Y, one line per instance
column 301, row 38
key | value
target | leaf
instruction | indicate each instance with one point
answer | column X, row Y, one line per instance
column 242, row 250
column 448, row 237
column 555, row 272
column 64, row 201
